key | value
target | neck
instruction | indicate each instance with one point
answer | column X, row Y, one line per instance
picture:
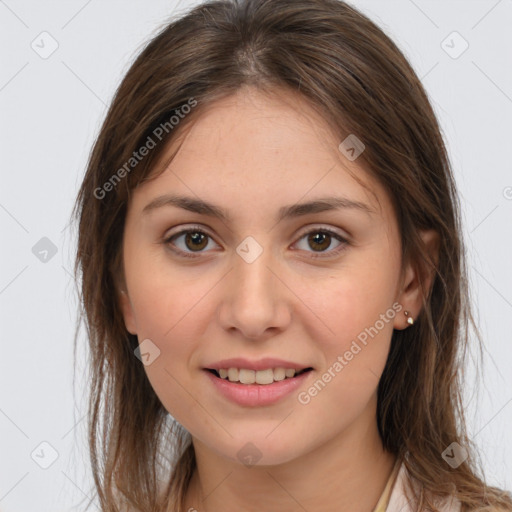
column 346, row 474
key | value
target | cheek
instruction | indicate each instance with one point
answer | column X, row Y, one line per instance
column 172, row 310
column 349, row 303
column 356, row 306
column 353, row 360
column 166, row 317
column 164, row 297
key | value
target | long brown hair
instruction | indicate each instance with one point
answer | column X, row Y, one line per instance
column 358, row 79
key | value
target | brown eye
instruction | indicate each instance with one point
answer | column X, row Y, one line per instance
column 195, row 240
column 188, row 241
column 319, row 240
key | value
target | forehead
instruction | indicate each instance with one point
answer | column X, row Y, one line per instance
column 254, row 149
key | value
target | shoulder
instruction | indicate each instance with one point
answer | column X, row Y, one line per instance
column 400, row 500
column 489, row 508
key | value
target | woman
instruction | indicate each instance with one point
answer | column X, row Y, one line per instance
column 273, row 274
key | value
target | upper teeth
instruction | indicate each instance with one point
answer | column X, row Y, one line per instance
column 259, row 377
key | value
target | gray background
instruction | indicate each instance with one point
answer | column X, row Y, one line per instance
column 51, row 109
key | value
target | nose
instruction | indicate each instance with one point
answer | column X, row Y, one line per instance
column 255, row 300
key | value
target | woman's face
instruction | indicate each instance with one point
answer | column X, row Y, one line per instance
column 278, row 282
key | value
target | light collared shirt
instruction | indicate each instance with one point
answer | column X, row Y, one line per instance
column 394, row 499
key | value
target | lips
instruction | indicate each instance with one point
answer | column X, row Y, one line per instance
column 254, row 394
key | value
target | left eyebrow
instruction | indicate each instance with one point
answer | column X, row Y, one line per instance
column 202, row 207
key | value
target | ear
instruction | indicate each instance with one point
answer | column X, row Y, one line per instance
column 123, row 297
column 127, row 311
column 418, row 278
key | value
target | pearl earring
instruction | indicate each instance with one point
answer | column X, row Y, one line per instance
column 410, row 319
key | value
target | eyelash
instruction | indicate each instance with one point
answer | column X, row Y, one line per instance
column 197, row 229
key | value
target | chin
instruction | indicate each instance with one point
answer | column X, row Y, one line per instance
column 257, row 450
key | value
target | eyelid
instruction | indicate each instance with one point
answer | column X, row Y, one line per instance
column 187, row 228
column 335, row 231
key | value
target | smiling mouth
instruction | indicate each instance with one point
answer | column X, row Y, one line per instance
column 263, row 377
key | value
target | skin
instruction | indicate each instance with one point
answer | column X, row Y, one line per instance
column 252, row 154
